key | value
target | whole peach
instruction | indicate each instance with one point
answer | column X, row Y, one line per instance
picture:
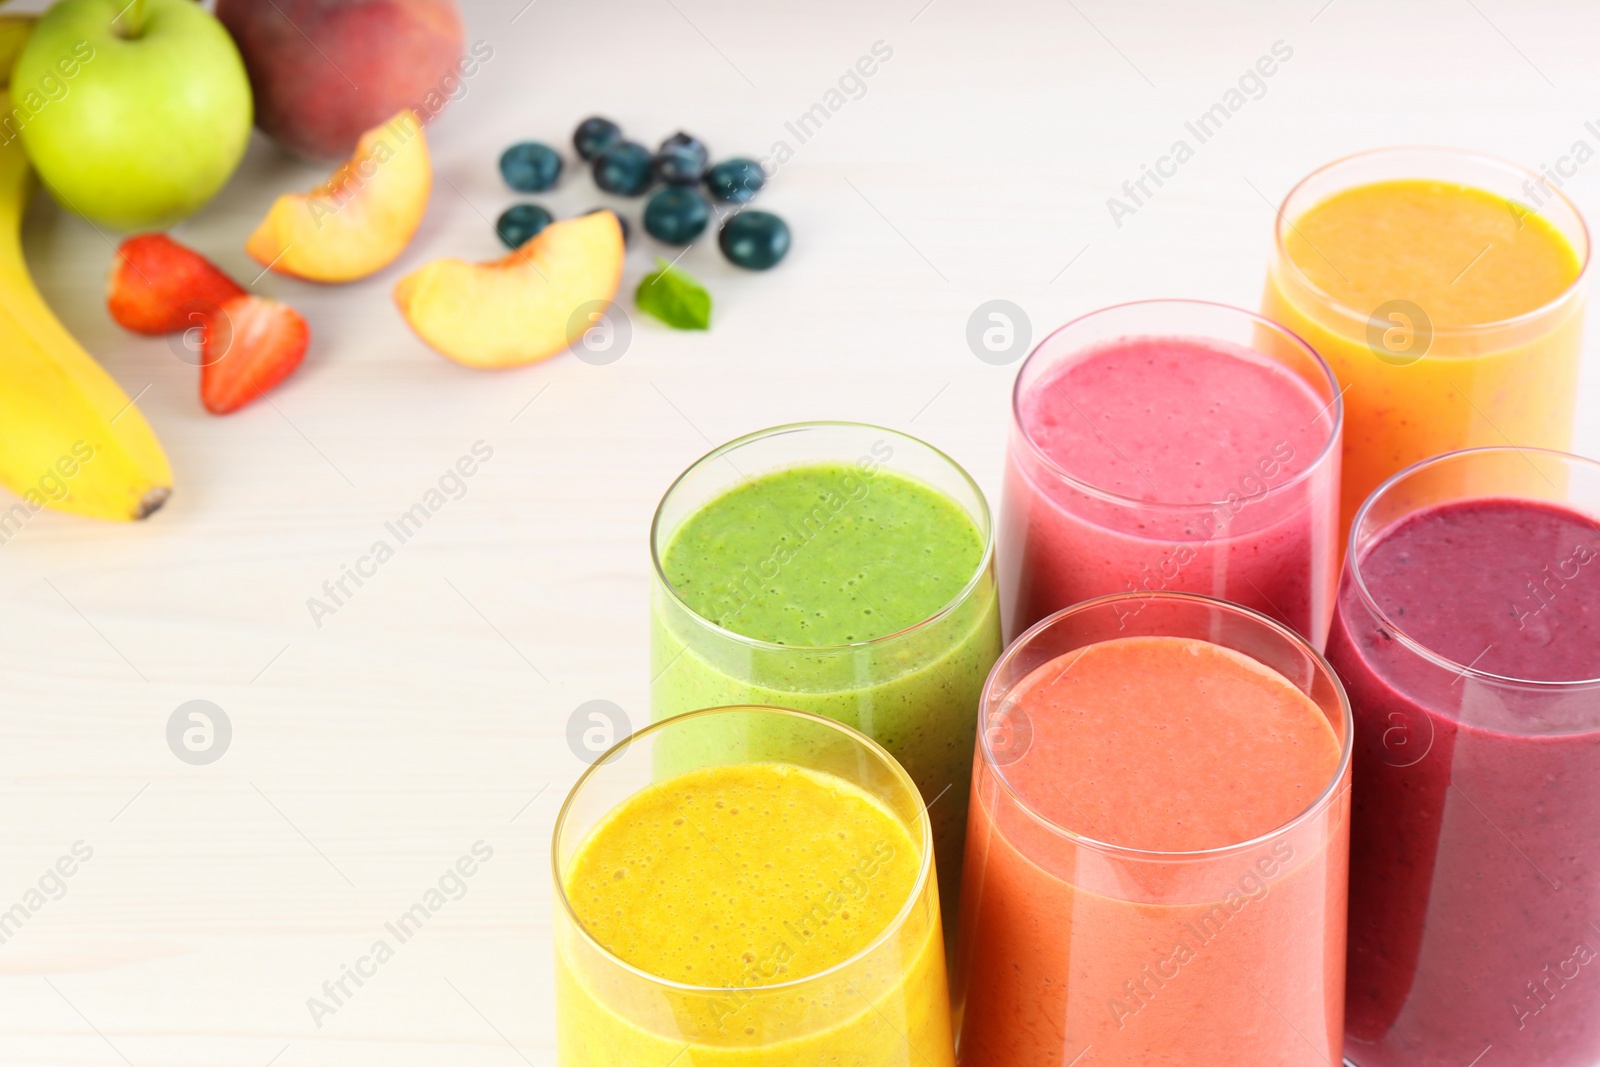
column 325, row 71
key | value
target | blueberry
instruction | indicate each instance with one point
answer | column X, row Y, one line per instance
column 624, row 169
column 530, row 167
column 681, row 160
column 754, row 240
column 620, row 222
column 595, row 135
column 519, row 222
column 676, row 215
column 736, row 180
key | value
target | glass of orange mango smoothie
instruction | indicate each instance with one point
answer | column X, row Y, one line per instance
column 1159, row 844
column 745, row 910
column 1446, row 291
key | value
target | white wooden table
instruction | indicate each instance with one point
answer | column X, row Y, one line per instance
column 429, row 712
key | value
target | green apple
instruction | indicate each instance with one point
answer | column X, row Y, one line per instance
column 134, row 121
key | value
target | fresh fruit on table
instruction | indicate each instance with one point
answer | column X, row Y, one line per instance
column 676, row 215
column 524, row 307
column 530, row 167
column 627, row 234
column 521, row 222
column 327, row 71
column 153, row 114
column 736, row 181
column 70, row 438
column 754, row 240
column 676, row 299
column 624, row 169
column 248, row 346
column 14, row 33
column 594, row 135
column 360, row 219
column 681, row 160
column 157, row 286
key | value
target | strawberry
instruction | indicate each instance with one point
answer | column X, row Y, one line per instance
column 158, row 286
column 249, row 345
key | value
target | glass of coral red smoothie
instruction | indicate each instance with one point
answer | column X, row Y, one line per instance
column 1468, row 633
column 1156, row 861
column 1173, row 445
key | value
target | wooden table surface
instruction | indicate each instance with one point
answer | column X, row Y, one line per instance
column 373, row 746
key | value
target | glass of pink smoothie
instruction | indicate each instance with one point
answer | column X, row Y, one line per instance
column 1157, row 844
column 1468, row 634
column 1173, row 445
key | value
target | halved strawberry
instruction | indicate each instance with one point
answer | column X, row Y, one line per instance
column 249, row 345
column 156, row 285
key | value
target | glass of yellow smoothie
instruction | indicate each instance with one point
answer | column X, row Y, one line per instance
column 745, row 910
column 1446, row 291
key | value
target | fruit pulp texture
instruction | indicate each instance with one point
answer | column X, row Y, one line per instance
column 852, row 556
column 1159, row 744
column 1464, row 257
column 1475, row 841
column 743, row 876
column 1172, row 424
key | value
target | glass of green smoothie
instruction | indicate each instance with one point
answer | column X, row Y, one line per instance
column 838, row 568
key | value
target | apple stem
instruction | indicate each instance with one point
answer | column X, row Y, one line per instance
column 134, row 24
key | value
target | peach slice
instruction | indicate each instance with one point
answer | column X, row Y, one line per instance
column 530, row 305
column 358, row 220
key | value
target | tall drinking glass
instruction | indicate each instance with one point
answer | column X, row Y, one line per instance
column 844, row 570
column 1468, row 634
column 1447, row 290
column 1173, row 445
column 747, row 911
column 1157, row 858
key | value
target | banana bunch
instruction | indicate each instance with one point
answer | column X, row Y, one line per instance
column 70, row 438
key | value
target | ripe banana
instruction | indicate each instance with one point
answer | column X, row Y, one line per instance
column 69, row 436
column 14, row 31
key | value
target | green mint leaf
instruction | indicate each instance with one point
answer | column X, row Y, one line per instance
column 675, row 298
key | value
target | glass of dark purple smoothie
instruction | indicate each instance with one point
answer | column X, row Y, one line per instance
column 1467, row 632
